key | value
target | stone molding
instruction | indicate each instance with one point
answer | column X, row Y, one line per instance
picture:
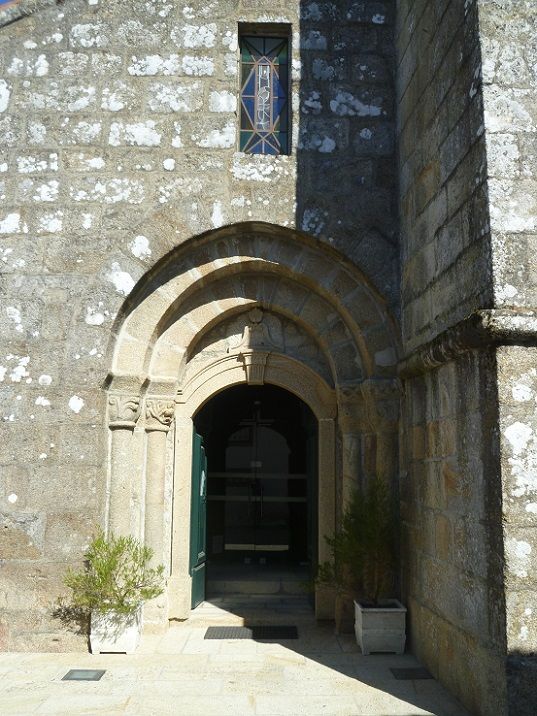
column 288, row 373
column 482, row 329
column 311, row 285
column 159, row 414
column 124, row 411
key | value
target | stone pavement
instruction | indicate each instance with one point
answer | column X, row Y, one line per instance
column 181, row 673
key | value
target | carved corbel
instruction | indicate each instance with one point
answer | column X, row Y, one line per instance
column 159, row 414
column 123, row 411
column 254, row 366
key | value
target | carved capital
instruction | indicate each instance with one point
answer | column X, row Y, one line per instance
column 381, row 389
column 254, row 366
column 382, row 398
column 159, row 414
column 123, row 411
column 370, row 405
column 352, row 411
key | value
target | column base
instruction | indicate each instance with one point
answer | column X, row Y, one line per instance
column 156, row 614
column 179, row 596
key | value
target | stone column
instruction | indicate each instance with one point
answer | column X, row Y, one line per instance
column 382, row 399
column 123, row 412
column 324, row 598
column 352, row 422
column 180, row 582
column 159, row 415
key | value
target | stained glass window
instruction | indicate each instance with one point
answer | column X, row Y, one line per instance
column 264, row 95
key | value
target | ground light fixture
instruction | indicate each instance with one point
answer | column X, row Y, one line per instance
column 83, row 675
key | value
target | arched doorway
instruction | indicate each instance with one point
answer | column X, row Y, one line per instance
column 251, row 305
column 261, row 517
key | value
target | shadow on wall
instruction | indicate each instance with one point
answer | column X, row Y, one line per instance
column 346, row 161
column 521, row 680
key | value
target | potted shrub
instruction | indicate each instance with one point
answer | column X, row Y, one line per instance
column 363, row 568
column 112, row 588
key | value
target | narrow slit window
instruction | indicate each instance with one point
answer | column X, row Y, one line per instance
column 264, row 95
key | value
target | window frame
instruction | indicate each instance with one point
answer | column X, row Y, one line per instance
column 281, row 31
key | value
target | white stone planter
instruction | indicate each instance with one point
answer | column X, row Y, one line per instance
column 113, row 632
column 381, row 628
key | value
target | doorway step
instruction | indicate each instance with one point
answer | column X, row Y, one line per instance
column 244, row 610
column 254, row 579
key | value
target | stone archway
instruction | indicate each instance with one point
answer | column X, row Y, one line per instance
column 247, row 304
column 221, row 374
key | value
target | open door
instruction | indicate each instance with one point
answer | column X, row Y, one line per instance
column 198, row 521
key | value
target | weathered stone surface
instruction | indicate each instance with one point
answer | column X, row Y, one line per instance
column 119, row 143
column 442, row 161
column 451, row 522
column 118, row 136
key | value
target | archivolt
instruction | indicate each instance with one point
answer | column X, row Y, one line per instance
column 225, row 272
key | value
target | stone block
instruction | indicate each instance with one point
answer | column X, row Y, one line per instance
column 443, row 538
column 521, row 623
column 106, row 64
column 520, row 558
column 68, row 534
column 377, row 140
column 324, row 136
column 22, row 535
column 168, row 96
column 90, row 35
column 48, row 486
column 521, row 680
column 470, row 541
column 83, row 444
column 30, row 440
column 432, row 492
column 424, row 631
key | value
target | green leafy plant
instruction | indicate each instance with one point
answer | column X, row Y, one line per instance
column 117, row 577
column 363, row 548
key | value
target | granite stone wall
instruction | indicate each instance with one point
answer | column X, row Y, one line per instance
column 517, row 384
column 509, row 79
column 509, row 50
column 466, row 128
column 445, row 238
column 118, row 142
column 451, row 528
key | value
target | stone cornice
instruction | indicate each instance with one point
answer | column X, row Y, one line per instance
column 482, row 329
column 23, row 8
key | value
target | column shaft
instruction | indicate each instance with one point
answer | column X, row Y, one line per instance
column 123, row 413
column 154, row 493
column 119, row 516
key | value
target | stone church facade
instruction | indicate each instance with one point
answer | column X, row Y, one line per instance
column 381, row 269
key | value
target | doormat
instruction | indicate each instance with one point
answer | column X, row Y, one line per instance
column 411, row 674
column 257, row 633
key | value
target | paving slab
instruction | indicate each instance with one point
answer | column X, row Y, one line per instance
column 180, row 672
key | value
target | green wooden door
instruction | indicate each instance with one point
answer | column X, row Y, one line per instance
column 198, row 522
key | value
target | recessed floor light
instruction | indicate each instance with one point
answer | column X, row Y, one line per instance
column 83, row 675
column 411, row 674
